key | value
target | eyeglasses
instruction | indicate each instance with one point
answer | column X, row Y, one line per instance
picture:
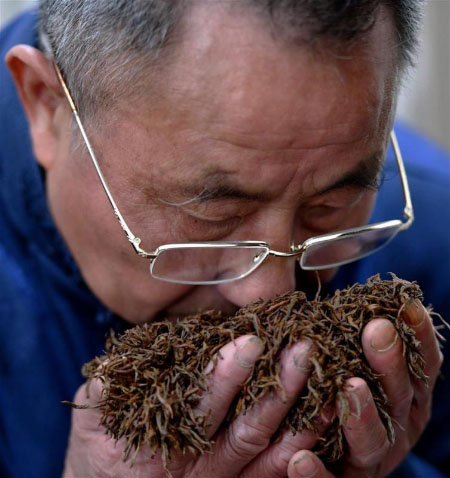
column 216, row 262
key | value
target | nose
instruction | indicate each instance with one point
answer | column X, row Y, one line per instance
column 276, row 275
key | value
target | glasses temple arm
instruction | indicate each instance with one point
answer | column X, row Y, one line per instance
column 408, row 211
column 135, row 241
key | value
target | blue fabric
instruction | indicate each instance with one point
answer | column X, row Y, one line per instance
column 422, row 254
column 50, row 323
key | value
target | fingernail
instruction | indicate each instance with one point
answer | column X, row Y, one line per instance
column 414, row 313
column 384, row 338
column 301, row 357
column 305, row 466
column 248, row 352
column 358, row 398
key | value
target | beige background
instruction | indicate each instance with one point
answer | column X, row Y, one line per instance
column 425, row 98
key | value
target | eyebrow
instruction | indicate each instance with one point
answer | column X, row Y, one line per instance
column 217, row 186
column 228, row 191
column 365, row 175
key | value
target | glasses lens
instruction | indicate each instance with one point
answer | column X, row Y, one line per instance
column 331, row 253
column 207, row 265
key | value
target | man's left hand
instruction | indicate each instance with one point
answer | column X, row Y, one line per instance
column 370, row 453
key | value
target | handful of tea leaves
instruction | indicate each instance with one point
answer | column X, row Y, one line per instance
column 153, row 377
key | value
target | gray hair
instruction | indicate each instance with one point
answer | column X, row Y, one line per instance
column 102, row 46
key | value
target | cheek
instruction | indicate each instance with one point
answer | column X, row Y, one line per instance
column 111, row 269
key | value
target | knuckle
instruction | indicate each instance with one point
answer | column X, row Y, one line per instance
column 373, row 455
column 421, row 416
column 106, row 462
column 100, row 459
column 436, row 364
column 248, row 439
column 275, row 461
column 274, row 465
column 278, row 464
column 403, row 403
column 278, row 460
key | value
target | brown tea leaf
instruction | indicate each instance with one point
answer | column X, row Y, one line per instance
column 153, row 376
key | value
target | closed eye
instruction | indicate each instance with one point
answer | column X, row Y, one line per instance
column 197, row 228
column 335, row 209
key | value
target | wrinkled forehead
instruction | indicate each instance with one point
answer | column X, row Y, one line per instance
column 234, row 73
column 237, row 98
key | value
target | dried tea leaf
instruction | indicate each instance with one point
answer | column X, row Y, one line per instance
column 153, row 376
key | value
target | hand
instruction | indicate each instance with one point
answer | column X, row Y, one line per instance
column 242, row 449
column 371, row 455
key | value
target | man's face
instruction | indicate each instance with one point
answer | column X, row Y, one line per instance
column 251, row 138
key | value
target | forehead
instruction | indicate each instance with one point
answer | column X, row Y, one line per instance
column 234, row 73
column 236, row 97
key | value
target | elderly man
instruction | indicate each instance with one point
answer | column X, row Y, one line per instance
column 200, row 123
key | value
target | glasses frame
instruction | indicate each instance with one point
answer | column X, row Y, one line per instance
column 296, row 250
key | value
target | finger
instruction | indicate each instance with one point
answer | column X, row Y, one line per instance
column 304, row 464
column 249, row 434
column 383, row 349
column 234, row 365
column 87, row 397
column 275, row 459
column 90, row 450
column 418, row 318
column 365, row 433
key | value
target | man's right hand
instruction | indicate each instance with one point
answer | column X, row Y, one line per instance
column 242, row 449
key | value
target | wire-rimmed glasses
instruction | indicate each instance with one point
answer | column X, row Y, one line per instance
column 214, row 262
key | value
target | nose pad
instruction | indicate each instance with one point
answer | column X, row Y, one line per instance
column 273, row 277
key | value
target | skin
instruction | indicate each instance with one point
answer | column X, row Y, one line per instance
column 281, row 121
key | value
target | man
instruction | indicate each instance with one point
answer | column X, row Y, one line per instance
column 210, row 121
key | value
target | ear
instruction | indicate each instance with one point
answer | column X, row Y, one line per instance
column 42, row 99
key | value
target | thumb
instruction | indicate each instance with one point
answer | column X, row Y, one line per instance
column 86, row 413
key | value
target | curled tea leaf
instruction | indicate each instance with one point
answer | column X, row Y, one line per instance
column 153, row 375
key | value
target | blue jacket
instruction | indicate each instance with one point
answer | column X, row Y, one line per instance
column 50, row 323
